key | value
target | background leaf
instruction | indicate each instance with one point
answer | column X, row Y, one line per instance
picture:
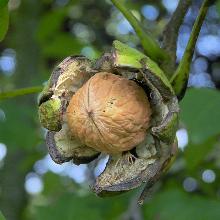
column 16, row 130
column 62, row 45
column 72, row 206
column 200, row 113
column 3, row 3
column 4, row 20
column 176, row 204
column 1, row 216
column 196, row 153
column 218, row 6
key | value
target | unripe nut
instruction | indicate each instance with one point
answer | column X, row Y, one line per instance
column 49, row 114
column 109, row 113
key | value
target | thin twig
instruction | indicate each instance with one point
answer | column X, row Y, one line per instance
column 171, row 31
column 180, row 78
column 20, row 92
column 150, row 46
column 134, row 210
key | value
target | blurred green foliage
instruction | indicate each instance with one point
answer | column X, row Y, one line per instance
column 41, row 34
column 198, row 115
column 2, row 217
column 185, row 207
column 27, row 120
column 4, row 19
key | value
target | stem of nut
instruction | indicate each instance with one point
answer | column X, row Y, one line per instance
column 180, row 78
column 20, row 92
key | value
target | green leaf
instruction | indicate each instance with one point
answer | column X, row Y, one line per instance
column 62, row 45
column 200, row 114
column 50, row 24
column 196, row 153
column 3, row 3
column 4, row 20
column 1, row 216
column 178, row 205
column 71, row 206
column 218, row 6
column 53, row 185
column 20, row 128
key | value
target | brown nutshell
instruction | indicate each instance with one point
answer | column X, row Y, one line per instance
column 109, row 113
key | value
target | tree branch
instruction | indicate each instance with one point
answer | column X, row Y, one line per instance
column 171, row 32
column 20, row 92
column 13, row 198
column 180, row 78
column 151, row 47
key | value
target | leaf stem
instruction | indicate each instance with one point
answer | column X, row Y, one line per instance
column 20, row 92
column 150, row 46
column 180, row 78
column 171, row 32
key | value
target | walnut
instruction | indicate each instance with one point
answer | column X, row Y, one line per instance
column 109, row 113
column 121, row 104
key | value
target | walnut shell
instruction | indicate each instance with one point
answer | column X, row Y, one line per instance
column 109, row 113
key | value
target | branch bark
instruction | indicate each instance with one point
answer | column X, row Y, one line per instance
column 171, row 32
column 13, row 199
column 13, row 196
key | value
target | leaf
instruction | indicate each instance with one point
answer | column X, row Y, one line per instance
column 54, row 41
column 71, row 206
column 218, row 6
column 19, row 129
column 50, row 24
column 1, row 216
column 3, row 3
column 4, row 20
column 196, row 153
column 178, row 205
column 200, row 113
column 53, row 185
column 62, row 45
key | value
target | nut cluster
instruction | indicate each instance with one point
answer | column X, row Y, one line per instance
column 90, row 107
